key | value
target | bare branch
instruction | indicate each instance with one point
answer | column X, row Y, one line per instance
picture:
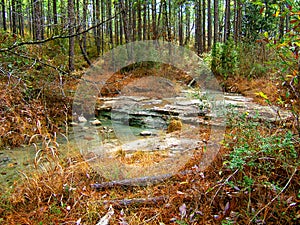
column 19, row 44
column 37, row 60
column 273, row 199
column 141, row 181
column 145, row 201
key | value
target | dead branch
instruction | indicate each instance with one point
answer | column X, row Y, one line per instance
column 37, row 60
column 132, row 201
column 273, row 199
column 141, row 181
column 84, row 54
column 19, row 44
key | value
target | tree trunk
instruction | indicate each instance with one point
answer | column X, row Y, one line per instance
column 14, row 16
column 98, row 29
column 110, row 25
column 139, row 14
column 101, row 29
column 128, row 4
column 84, row 18
column 154, row 33
column 116, row 25
column 37, row 20
column 63, row 17
column 54, row 9
column 216, row 21
column 159, row 22
column 133, row 24
column 209, row 25
column 71, row 32
column 145, row 20
column 198, row 31
column 180, row 25
column 124, row 20
column 148, row 24
column 239, row 19
column 204, row 24
column 4, row 16
column 166, row 21
column 49, row 18
column 20, row 18
column 121, row 27
column 281, row 22
column 227, row 21
column 188, row 25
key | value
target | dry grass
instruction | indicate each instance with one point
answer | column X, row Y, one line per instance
column 62, row 193
column 59, row 191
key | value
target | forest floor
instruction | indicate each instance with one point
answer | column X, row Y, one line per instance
column 253, row 180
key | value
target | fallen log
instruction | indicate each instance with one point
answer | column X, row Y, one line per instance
column 141, row 181
column 132, row 201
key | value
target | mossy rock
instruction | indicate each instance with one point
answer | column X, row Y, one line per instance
column 174, row 125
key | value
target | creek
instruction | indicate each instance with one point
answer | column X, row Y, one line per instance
column 130, row 136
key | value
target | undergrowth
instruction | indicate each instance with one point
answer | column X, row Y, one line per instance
column 265, row 159
column 253, row 180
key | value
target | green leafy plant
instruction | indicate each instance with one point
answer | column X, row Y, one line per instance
column 255, row 149
column 225, row 58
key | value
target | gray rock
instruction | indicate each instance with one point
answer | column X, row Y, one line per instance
column 96, row 122
column 82, row 119
column 73, row 124
column 146, row 133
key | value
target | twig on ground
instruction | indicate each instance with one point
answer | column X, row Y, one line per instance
column 222, row 184
column 141, row 181
column 126, row 202
column 273, row 199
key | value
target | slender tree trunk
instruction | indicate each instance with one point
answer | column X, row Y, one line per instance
column 287, row 23
column 139, row 14
column 133, row 24
column 235, row 21
column 49, row 18
column 281, row 22
column 144, row 20
column 20, row 18
column 180, row 26
column 94, row 21
column 128, row 4
column 216, row 21
column 71, row 32
column 63, row 13
column 124, row 19
column 116, row 25
column 198, row 31
column 154, row 33
column 188, row 25
column 101, row 29
column 239, row 19
column 121, row 27
column 78, row 23
column 166, row 19
column 204, row 24
column 14, row 16
column 149, row 23
column 227, row 21
column 209, row 26
column 54, row 9
column 42, row 19
column 159, row 23
column 97, row 29
column 84, row 20
column 110, row 25
column 4, row 16
column 37, row 20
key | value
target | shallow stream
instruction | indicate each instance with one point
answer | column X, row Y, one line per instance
column 133, row 139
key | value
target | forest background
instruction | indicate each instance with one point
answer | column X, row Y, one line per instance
column 251, row 46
